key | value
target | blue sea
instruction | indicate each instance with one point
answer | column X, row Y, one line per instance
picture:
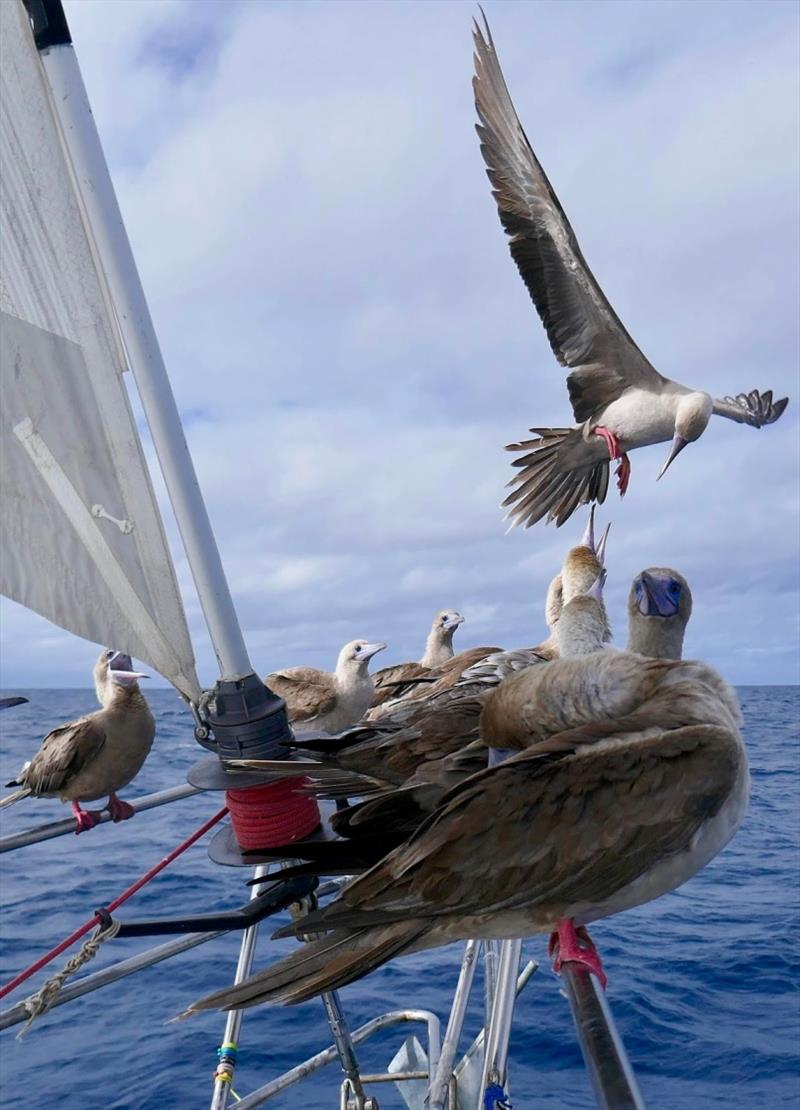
column 703, row 983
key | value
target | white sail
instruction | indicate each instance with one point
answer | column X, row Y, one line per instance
column 82, row 539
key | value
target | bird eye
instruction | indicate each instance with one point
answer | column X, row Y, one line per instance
column 110, row 654
column 675, row 588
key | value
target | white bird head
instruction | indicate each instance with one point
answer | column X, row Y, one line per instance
column 114, row 668
column 357, row 654
column 584, row 562
column 691, row 420
column 447, row 621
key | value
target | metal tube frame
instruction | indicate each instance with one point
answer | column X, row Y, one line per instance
column 610, row 1071
column 111, row 974
column 440, row 1082
column 328, row 1055
column 54, row 829
column 233, row 1024
column 498, row 1031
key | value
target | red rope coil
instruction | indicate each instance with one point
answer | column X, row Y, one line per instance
column 272, row 814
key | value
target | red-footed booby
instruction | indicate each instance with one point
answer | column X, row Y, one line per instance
column 325, row 701
column 659, row 608
column 98, row 754
column 631, row 777
column 619, row 401
column 393, row 682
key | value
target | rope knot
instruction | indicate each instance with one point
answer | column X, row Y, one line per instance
column 39, row 1003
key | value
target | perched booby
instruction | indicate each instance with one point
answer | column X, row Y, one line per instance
column 631, row 777
column 98, row 754
column 659, row 608
column 393, row 682
column 324, row 701
column 619, row 401
column 423, row 747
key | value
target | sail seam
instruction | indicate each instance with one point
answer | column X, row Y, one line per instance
column 101, row 554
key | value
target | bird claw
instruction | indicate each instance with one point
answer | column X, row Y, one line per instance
column 623, row 474
column 119, row 810
column 84, row 818
column 574, row 945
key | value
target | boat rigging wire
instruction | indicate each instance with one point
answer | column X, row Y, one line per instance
column 99, row 915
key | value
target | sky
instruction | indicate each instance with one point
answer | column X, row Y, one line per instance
column 350, row 344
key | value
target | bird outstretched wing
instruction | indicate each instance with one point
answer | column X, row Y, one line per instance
column 753, row 408
column 584, row 331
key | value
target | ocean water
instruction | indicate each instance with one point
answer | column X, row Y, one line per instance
column 703, row 983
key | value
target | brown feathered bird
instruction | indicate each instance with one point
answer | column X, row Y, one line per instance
column 396, row 681
column 98, row 754
column 328, row 701
column 631, row 776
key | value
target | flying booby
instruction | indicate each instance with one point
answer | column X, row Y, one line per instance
column 98, row 754
column 324, row 701
column 631, row 777
column 393, row 682
column 619, row 401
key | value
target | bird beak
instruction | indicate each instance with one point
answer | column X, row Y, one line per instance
column 678, row 445
column 588, row 535
column 600, row 553
column 596, row 588
column 369, row 650
column 653, row 599
column 452, row 622
column 121, row 671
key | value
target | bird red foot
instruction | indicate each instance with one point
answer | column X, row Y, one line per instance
column 612, row 443
column 119, row 810
column 571, row 945
column 85, row 818
column 623, row 474
column 623, row 471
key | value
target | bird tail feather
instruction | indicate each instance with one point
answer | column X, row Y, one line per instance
column 549, row 483
column 322, row 965
column 17, row 796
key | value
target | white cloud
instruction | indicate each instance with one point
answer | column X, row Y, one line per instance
column 305, row 196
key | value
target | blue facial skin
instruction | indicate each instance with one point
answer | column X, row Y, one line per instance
column 658, row 597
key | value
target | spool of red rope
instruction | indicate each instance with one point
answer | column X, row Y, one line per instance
column 273, row 814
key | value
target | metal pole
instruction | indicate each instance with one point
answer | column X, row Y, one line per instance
column 328, row 1055
column 440, row 1081
column 498, row 1031
column 60, row 828
column 490, row 979
column 133, row 317
column 227, row 1054
column 16, row 1014
column 338, row 1024
column 604, row 1055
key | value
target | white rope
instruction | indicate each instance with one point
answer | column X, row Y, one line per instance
column 39, row 1003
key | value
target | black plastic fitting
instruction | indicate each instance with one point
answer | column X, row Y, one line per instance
column 247, row 720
